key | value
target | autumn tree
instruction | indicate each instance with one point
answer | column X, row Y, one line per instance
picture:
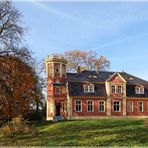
column 85, row 60
column 18, row 78
column 17, row 86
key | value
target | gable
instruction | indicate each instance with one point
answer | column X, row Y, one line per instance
column 117, row 78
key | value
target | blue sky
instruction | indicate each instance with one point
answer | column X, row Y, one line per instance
column 117, row 30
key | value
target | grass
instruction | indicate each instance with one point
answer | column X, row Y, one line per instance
column 104, row 132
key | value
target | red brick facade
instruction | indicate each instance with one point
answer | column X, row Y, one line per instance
column 111, row 99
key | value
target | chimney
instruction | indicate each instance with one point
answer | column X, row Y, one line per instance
column 78, row 69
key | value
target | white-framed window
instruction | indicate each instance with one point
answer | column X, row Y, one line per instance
column 88, row 88
column 78, row 105
column 90, row 106
column 116, row 106
column 139, row 89
column 130, row 106
column 101, row 106
column 119, row 89
column 113, row 89
column 57, row 90
column 140, row 106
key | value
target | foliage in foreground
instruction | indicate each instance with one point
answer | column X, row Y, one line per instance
column 17, row 127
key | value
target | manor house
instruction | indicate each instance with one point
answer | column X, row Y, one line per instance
column 91, row 94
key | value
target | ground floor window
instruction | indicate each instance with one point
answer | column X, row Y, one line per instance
column 130, row 106
column 90, row 106
column 140, row 106
column 78, row 106
column 116, row 106
column 101, row 106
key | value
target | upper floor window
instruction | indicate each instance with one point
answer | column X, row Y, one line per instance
column 57, row 69
column 113, row 89
column 130, row 106
column 116, row 89
column 116, row 106
column 90, row 106
column 101, row 106
column 78, row 106
column 63, row 69
column 140, row 106
column 119, row 89
column 139, row 89
column 57, row 90
column 88, row 88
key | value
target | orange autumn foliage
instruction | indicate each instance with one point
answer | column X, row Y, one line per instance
column 17, row 87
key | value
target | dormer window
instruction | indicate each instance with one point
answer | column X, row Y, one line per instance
column 88, row 88
column 139, row 89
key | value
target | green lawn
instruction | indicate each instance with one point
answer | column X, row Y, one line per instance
column 104, row 132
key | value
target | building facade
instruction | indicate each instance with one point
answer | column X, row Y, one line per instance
column 91, row 94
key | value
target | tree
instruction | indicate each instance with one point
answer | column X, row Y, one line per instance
column 39, row 72
column 85, row 60
column 11, row 30
column 17, row 86
column 19, row 82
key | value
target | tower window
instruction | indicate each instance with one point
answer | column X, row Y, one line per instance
column 57, row 90
column 57, row 71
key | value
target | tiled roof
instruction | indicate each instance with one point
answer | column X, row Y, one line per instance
column 76, row 89
column 76, row 81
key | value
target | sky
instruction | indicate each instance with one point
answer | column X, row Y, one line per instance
column 116, row 30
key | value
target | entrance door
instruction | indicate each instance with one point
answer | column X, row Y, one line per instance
column 58, row 106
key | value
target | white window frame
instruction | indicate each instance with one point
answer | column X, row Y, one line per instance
column 119, row 89
column 92, row 106
column 139, row 106
column 114, row 89
column 88, row 88
column 119, row 106
column 76, row 105
column 139, row 90
column 103, row 104
column 131, row 107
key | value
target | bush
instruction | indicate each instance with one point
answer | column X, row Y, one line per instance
column 33, row 116
column 146, row 122
column 18, row 127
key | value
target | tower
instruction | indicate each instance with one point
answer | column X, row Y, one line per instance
column 56, row 86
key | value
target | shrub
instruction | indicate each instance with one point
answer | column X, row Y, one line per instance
column 33, row 116
column 146, row 122
column 18, row 127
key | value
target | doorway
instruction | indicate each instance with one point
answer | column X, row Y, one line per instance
column 58, row 107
